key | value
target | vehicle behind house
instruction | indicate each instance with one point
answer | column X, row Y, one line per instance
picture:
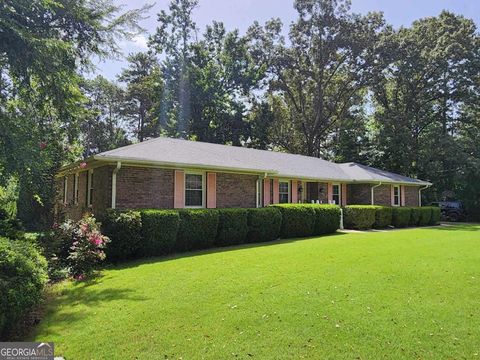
column 451, row 210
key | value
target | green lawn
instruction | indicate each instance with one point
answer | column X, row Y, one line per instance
column 411, row 294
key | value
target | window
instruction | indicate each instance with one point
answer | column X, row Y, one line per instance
column 284, row 191
column 396, row 195
column 75, row 188
column 336, row 193
column 65, row 185
column 259, row 192
column 90, row 188
column 194, row 190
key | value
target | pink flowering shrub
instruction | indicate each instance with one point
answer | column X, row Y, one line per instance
column 87, row 247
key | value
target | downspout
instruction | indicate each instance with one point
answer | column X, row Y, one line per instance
column 420, row 194
column 114, row 184
column 372, row 200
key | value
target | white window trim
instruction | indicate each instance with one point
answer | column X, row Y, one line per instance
column 75, row 188
column 259, row 192
column 65, row 189
column 185, row 189
column 339, row 193
column 399, row 196
column 89, row 187
column 289, row 191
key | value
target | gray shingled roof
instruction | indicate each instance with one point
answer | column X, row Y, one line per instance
column 201, row 155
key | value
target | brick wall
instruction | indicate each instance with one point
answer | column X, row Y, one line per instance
column 144, row 188
column 102, row 189
column 359, row 194
column 236, row 190
column 411, row 196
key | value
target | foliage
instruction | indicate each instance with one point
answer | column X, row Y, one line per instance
column 327, row 218
column 383, row 217
column 23, row 275
column 87, row 247
column 264, row 224
column 435, row 216
column 359, row 217
column 124, row 229
column 197, row 229
column 232, row 226
column 159, row 232
column 415, row 216
column 425, row 216
column 298, row 220
column 401, row 216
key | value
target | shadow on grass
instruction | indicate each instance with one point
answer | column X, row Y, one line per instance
column 175, row 256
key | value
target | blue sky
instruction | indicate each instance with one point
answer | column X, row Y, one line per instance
column 241, row 13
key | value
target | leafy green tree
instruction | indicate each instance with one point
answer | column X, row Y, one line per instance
column 102, row 128
column 318, row 76
column 143, row 94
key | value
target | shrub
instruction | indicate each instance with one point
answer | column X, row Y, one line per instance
column 124, row 228
column 264, row 224
column 23, row 275
column 425, row 216
column 383, row 217
column 197, row 229
column 415, row 214
column 298, row 220
column 87, row 247
column 401, row 216
column 159, row 230
column 232, row 226
column 11, row 228
column 327, row 218
column 359, row 216
column 435, row 215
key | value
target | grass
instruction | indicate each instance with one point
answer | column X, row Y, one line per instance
column 397, row 294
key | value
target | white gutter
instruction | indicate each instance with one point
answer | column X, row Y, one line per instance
column 372, row 193
column 420, row 194
column 114, row 184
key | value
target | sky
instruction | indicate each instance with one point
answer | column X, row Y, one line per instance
column 242, row 13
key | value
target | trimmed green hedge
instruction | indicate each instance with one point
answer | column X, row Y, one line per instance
column 425, row 216
column 359, row 217
column 327, row 218
column 23, row 275
column 264, row 224
column 159, row 231
column 124, row 228
column 435, row 215
column 197, row 229
column 232, row 226
column 415, row 214
column 383, row 217
column 401, row 217
column 298, row 220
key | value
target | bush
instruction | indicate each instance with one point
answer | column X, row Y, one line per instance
column 87, row 247
column 327, row 218
column 415, row 214
column 232, row 226
column 23, row 275
column 359, row 217
column 197, row 229
column 435, row 215
column 124, row 228
column 401, row 216
column 11, row 228
column 298, row 220
column 159, row 230
column 264, row 224
column 383, row 217
column 425, row 216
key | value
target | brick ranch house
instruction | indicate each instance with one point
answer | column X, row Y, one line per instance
column 172, row 173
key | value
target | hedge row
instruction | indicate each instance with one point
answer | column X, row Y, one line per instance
column 141, row 233
column 369, row 216
column 23, row 275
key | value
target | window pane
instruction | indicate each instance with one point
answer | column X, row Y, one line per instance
column 283, row 198
column 283, row 187
column 193, row 197
column 193, row 181
column 336, row 198
column 336, row 189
